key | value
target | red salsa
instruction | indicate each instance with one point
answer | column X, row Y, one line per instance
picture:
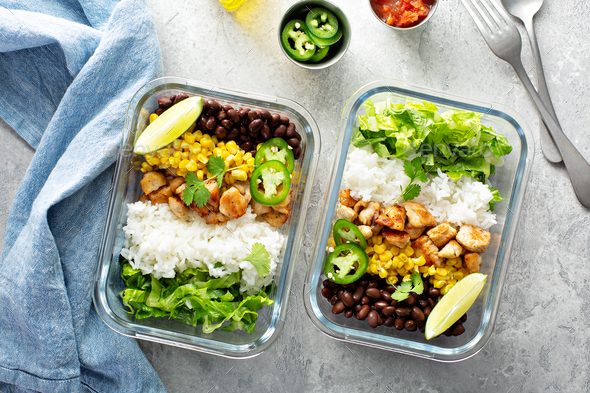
column 402, row 13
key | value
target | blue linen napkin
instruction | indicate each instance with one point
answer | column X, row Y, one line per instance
column 68, row 70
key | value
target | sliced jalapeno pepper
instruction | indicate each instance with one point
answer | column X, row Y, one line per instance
column 346, row 264
column 322, row 23
column 323, row 41
column 276, row 149
column 296, row 41
column 320, row 53
column 346, row 232
column 270, row 183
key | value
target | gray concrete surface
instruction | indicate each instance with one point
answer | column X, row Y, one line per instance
column 541, row 341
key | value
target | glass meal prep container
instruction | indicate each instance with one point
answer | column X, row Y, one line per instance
column 510, row 179
column 126, row 189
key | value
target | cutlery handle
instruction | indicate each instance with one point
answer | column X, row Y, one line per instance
column 577, row 167
column 549, row 149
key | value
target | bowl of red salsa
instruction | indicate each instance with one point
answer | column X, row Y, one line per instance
column 403, row 14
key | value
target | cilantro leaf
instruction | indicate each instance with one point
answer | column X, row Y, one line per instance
column 216, row 166
column 201, row 195
column 411, row 192
column 417, row 283
column 260, row 259
column 188, row 196
column 195, row 191
column 191, row 179
column 400, row 296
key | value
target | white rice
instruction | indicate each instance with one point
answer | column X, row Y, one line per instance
column 373, row 178
column 160, row 243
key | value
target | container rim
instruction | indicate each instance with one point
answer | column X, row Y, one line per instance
column 508, row 231
column 298, row 221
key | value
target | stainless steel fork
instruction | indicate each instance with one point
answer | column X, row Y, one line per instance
column 504, row 40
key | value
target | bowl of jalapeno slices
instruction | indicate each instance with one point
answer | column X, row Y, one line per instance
column 314, row 34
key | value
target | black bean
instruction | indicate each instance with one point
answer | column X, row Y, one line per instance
column 244, row 138
column 373, row 284
column 403, row 311
column 297, row 135
column 409, row 325
column 253, row 152
column 448, row 332
column 463, row 318
column 226, row 107
column 213, row 105
column 293, row 142
column 233, row 115
column 394, row 303
column 433, row 292
column 418, row 315
column 297, row 152
column 247, row 146
column 265, row 114
column 253, row 115
column 373, row 319
column 380, row 305
column 159, row 111
column 399, row 323
column 338, row 308
column 280, row 131
column 431, row 302
column 179, row 97
column 326, row 283
column 358, row 294
column 458, row 330
column 243, row 130
column 221, row 115
column 390, row 288
column 291, row 130
column 362, row 314
column 365, row 300
column 284, row 120
column 373, row 293
column 389, row 322
column 164, row 102
column 349, row 287
column 427, row 311
column 202, row 123
column 327, row 293
column 334, row 300
column 411, row 300
column 340, row 292
column 274, row 120
column 253, row 135
column 172, row 98
column 347, row 299
column 358, row 307
column 422, row 303
column 388, row 311
column 348, row 313
column 422, row 328
column 256, row 125
column 233, row 134
column 244, row 112
column 386, row 296
column 265, row 132
column 220, row 132
column 211, row 123
column 228, row 124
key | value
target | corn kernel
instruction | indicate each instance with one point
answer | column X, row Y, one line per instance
column 423, row 269
column 373, row 268
column 164, row 160
column 438, row 284
column 217, row 152
column 458, row 276
column 403, row 257
column 388, row 264
column 195, row 148
column 232, row 147
column 250, row 161
column 419, row 261
column 441, row 271
column 181, row 172
column 189, row 137
column 183, row 164
column 432, row 270
column 247, row 156
column 192, row 127
column 258, row 146
column 409, row 265
column 451, row 282
column 378, row 240
column 239, row 175
column 225, row 154
column 409, row 251
column 200, row 174
column 191, row 166
column 369, row 250
column 153, row 117
column 176, row 144
column 379, row 248
column 239, row 158
column 174, row 161
column 153, row 161
column 206, row 143
column 446, row 289
column 202, row 158
column 401, row 271
column 394, row 250
column 198, row 135
column 382, row 273
column 214, row 140
column 221, row 144
column 375, row 258
column 406, row 278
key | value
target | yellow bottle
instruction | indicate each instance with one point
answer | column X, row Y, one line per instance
column 231, row 5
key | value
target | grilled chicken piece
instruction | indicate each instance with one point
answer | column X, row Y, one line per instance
column 346, row 212
column 346, row 199
column 414, row 232
column 275, row 219
column 216, row 218
column 473, row 238
column 176, row 183
column 360, row 205
column 170, row 171
column 376, row 228
column 393, row 217
column 178, row 207
column 370, row 213
column 161, row 195
column 283, row 207
column 441, row 234
column 180, row 190
column 259, row 209
column 244, row 189
column 472, row 262
column 232, row 203
column 152, row 181
column 144, row 198
column 213, row 202
column 418, row 216
column 366, row 231
column 397, row 238
column 452, row 250
column 425, row 247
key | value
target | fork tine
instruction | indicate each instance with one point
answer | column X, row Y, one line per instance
column 494, row 13
column 481, row 25
column 483, row 11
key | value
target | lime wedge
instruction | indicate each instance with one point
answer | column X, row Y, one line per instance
column 454, row 304
column 169, row 125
